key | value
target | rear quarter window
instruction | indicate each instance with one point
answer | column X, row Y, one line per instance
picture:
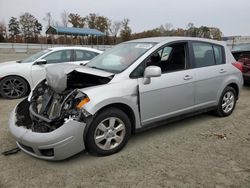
column 219, row 54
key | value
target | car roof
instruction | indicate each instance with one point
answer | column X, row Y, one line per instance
column 74, row 48
column 172, row 39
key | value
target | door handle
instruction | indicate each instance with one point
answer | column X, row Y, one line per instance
column 187, row 77
column 222, row 71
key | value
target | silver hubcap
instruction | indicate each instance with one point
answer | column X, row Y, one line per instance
column 13, row 88
column 110, row 133
column 228, row 102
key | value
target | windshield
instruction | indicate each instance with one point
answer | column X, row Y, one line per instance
column 35, row 56
column 120, row 57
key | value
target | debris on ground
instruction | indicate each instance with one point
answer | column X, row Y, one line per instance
column 221, row 136
column 218, row 135
column 12, row 151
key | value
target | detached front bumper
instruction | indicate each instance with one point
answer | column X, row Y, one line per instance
column 59, row 144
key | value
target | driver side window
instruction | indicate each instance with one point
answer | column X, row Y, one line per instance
column 169, row 58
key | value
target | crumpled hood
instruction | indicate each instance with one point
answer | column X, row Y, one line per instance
column 57, row 75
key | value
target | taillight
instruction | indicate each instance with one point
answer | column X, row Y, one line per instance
column 238, row 65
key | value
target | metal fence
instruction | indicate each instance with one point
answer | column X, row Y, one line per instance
column 238, row 43
column 26, row 47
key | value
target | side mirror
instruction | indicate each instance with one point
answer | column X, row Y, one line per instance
column 151, row 71
column 41, row 62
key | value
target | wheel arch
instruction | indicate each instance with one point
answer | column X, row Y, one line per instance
column 123, row 107
column 236, row 87
column 126, row 109
column 27, row 82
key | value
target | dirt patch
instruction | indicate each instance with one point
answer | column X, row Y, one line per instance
column 202, row 151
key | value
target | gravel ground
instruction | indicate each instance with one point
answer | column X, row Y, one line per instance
column 187, row 153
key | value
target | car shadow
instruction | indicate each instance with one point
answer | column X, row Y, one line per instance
column 137, row 137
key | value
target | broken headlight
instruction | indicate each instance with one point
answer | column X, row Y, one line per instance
column 74, row 103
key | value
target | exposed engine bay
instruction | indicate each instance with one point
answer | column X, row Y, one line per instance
column 56, row 99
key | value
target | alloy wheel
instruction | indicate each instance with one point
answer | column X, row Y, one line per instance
column 13, row 88
column 228, row 102
column 110, row 133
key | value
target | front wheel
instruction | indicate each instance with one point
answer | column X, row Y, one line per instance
column 109, row 132
column 227, row 102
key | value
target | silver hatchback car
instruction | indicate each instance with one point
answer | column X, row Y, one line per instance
column 133, row 86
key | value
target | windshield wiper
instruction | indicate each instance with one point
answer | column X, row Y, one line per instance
column 94, row 67
column 110, row 71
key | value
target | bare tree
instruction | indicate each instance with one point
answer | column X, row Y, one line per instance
column 125, row 30
column 64, row 17
column 168, row 26
column 75, row 19
column 114, row 29
column 48, row 19
column 190, row 25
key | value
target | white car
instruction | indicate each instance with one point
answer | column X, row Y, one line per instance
column 18, row 77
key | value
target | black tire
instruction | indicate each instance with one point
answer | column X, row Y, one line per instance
column 120, row 118
column 222, row 112
column 13, row 87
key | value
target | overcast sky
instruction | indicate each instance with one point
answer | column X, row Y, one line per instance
column 231, row 16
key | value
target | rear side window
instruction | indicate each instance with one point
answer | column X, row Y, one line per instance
column 203, row 54
column 206, row 54
column 82, row 55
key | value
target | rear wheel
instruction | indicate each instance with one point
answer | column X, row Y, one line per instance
column 109, row 132
column 227, row 102
column 13, row 87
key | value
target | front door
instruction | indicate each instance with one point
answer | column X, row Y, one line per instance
column 55, row 58
column 172, row 93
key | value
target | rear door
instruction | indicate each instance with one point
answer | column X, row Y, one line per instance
column 172, row 93
column 208, row 61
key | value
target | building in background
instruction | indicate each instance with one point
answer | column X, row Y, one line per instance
column 238, row 42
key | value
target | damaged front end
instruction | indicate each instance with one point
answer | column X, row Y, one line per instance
column 49, row 110
column 51, row 122
column 57, row 98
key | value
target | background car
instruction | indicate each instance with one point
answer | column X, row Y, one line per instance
column 243, row 56
column 18, row 77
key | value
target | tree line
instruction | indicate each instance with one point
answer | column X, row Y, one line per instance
column 26, row 28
